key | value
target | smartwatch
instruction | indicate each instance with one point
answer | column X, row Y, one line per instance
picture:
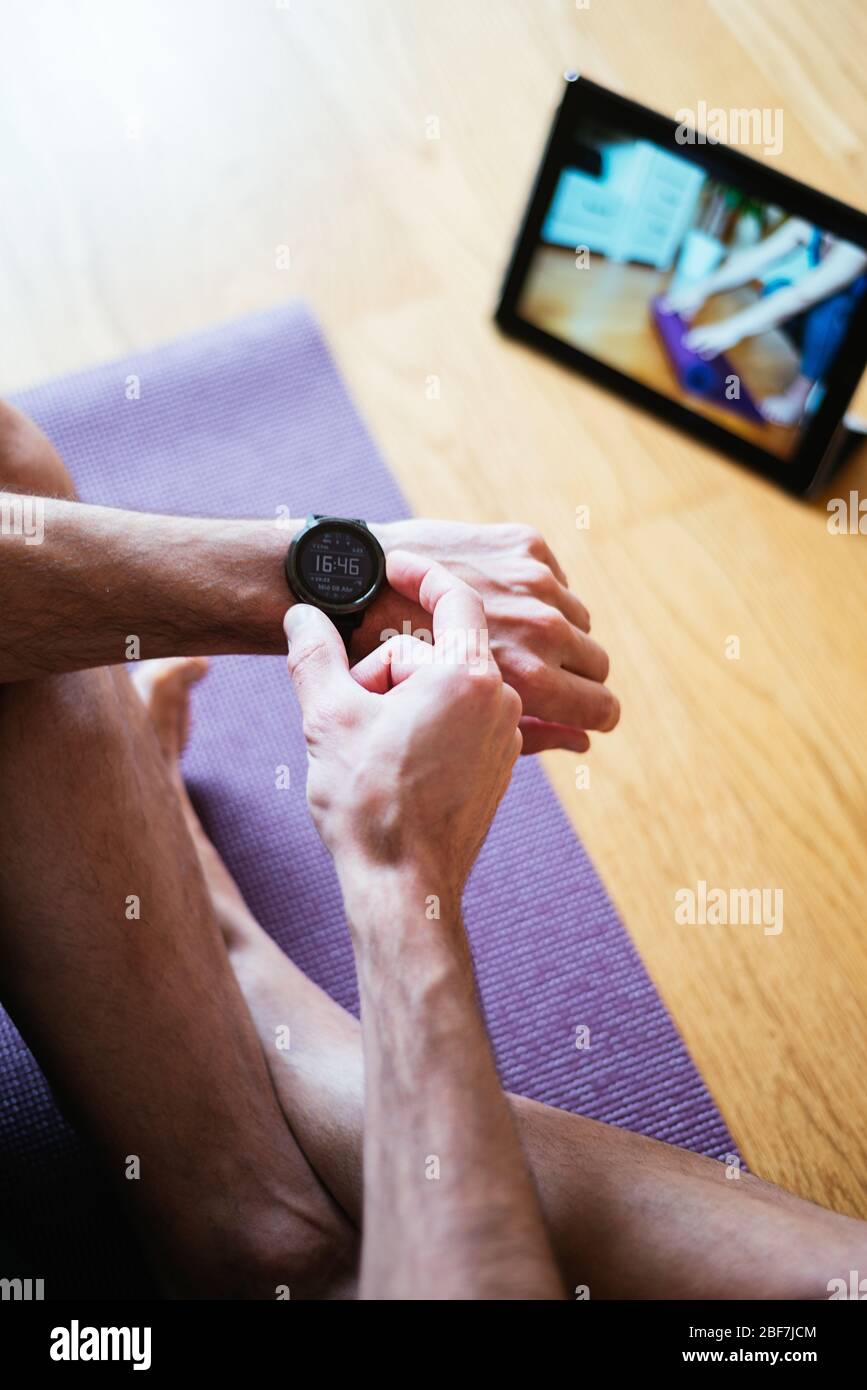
column 337, row 565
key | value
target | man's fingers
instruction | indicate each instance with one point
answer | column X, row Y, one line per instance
column 539, row 736
column 584, row 657
column 456, row 609
column 558, row 697
column 572, row 608
column 317, row 659
column 536, row 546
column 390, row 664
column 556, row 567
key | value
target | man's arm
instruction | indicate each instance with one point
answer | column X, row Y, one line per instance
column 450, row 1210
column 98, row 577
column 408, row 757
column 91, row 586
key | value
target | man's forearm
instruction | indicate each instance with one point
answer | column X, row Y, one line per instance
column 450, row 1211
column 103, row 586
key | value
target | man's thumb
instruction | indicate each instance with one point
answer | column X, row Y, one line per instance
column 317, row 657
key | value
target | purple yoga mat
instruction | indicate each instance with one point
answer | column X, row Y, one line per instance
column 240, row 421
column 696, row 375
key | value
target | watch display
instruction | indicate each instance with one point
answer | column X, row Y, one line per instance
column 336, row 564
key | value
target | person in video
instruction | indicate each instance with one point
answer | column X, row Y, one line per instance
column 814, row 309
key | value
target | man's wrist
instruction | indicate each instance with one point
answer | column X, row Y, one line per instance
column 405, row 899
column 411, row 950
column 243, row 568
column 270, row 542
column 246, row 563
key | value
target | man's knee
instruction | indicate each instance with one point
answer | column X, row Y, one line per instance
column 315, row 1262
column 28, row 461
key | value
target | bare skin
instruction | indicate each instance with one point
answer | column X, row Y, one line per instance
column 131, row 1007
column 628, row 1217
column 197, row 585
column 408, row 758
column 482, row 1236
column 247, row 1186
column 112, row 965
column 222, row 1211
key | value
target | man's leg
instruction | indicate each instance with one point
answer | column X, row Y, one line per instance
column 629, row 1217
column 29, row 461
column 112, row 964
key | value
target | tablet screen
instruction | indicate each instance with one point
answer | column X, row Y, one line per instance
column 733, row 306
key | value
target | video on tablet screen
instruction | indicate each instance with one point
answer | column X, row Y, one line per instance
column 729, row 305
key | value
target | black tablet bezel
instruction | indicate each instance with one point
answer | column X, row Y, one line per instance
column 807, row 467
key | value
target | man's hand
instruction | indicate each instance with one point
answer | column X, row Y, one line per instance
column 538, row 629
column 410, row 753
column 204, row 586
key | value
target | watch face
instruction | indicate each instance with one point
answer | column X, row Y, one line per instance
column 336, row 564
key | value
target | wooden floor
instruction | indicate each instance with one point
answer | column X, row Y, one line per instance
column 157, row 156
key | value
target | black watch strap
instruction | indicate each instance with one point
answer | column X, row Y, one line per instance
column 346, row 624
column 320, row 516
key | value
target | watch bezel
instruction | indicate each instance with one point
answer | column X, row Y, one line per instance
column 295, row 578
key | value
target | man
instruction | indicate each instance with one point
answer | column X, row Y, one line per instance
column 161, row 1039
column 183, row 585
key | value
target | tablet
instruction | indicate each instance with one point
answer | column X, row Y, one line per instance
column 705, row 285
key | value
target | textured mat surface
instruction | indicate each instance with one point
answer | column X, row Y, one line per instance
column 239, row 422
